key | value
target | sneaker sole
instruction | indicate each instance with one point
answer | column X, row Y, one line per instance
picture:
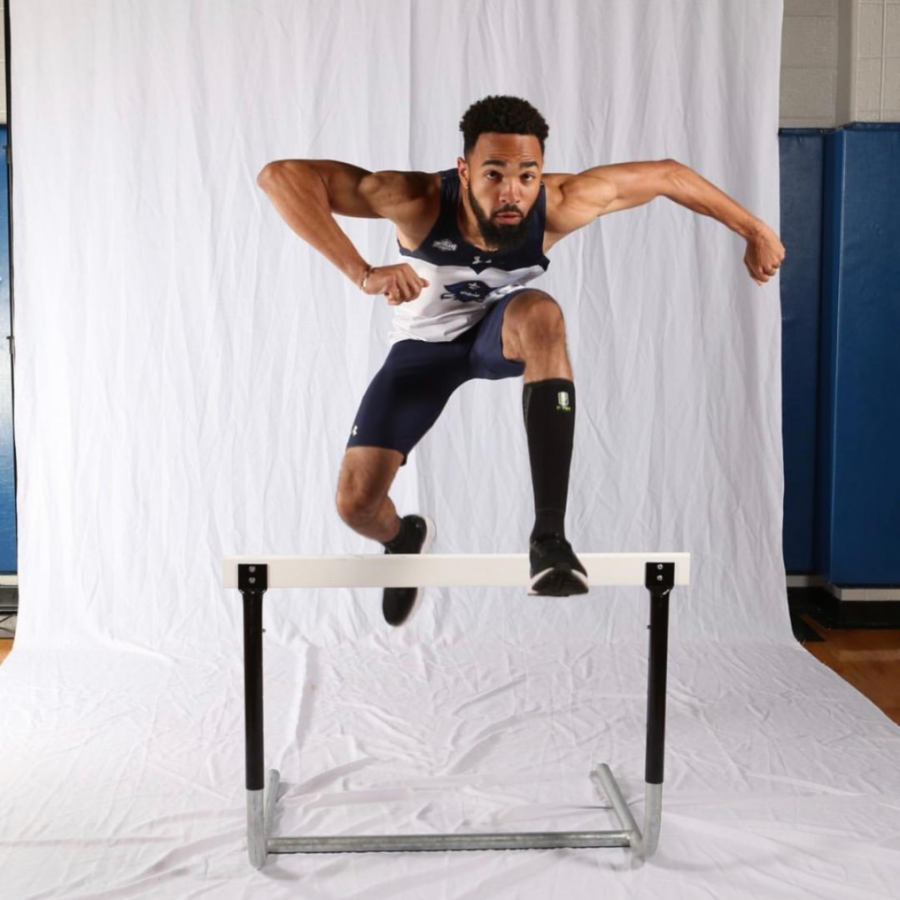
column 558, row 583
column 430, row 534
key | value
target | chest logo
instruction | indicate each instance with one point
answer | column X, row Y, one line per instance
column 466, row 291
column 444, row 244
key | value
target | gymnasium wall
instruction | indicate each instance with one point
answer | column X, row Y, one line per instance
column 840, row 62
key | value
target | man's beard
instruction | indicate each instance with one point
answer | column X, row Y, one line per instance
column 503, row 236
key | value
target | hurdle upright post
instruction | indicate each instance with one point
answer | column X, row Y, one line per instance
column 660, row 580
column 252, row 582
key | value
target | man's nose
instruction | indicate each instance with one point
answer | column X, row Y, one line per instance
column 510, row 193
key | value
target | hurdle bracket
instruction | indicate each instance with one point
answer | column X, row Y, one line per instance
column 658, row 576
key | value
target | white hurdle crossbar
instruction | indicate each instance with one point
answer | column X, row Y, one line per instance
column 254, row 575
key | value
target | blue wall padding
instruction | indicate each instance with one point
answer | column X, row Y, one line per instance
column 858, row 470
column 8, row 561
column 801, row 153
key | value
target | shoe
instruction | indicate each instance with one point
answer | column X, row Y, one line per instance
column 555, row 569
column 399, row 603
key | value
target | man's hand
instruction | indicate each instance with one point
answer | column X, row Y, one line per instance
column 764, row 254
column 399, row 283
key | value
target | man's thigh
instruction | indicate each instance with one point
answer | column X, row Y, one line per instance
column 407, row 394
column 495, row 352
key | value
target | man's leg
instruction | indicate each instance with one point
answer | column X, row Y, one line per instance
column 362, row 501
column 534, row 332
column 401, row 404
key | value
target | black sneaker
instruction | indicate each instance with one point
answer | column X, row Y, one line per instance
column 399, row 603
column 555, row 569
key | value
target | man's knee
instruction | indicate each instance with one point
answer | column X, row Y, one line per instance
column 357, row 508
column 364, row 481
column 538, row 319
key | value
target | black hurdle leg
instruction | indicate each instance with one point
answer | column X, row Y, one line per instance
column 659, row 580
column 252, row 583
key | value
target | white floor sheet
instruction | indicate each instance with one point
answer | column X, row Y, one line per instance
column 187, row 371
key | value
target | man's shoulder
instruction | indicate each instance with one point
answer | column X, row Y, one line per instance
column 411, row 200
column 553, row 188
column 392, row 189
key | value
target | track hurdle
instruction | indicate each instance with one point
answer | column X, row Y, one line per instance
column 253, row 576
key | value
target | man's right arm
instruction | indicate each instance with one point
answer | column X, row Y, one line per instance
column 307, row 191
column 301, row 190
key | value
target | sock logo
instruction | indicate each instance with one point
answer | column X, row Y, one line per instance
column 563, row 400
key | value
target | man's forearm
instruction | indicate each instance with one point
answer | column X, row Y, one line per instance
column 687, row 187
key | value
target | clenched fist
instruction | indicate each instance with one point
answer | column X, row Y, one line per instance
column 399, row 283
column 764, row 255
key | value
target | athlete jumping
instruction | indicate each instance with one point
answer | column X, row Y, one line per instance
column 470, row 239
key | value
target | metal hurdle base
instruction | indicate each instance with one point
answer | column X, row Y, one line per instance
column 261, row 841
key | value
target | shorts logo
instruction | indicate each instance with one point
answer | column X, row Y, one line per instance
column 444, row 244
column 563, row 399
column 352, row 433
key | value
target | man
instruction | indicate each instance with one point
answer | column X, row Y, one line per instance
column 470, row 239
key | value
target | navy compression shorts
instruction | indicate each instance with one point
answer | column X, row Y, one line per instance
column 411, row 389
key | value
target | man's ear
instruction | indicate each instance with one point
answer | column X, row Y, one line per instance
column 462, row 167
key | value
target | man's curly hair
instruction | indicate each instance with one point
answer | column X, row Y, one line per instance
column 504, row 115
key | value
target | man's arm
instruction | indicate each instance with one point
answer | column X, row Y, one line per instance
column 605, row 189
column 306, row 193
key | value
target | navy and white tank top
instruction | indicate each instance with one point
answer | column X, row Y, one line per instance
column 464, row 281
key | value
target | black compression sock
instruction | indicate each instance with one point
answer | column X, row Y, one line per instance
column 549, row 410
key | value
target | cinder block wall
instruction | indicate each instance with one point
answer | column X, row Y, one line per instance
column 809, row 64
column 840, row 62
column 876, row 55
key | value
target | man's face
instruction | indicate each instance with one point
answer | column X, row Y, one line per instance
column 503, row 176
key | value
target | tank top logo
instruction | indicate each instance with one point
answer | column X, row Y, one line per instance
column 466, row 291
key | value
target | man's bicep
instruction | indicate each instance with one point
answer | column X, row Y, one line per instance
column 601, row 190
column 387, row 194
column 352, row 190
column 632, row 184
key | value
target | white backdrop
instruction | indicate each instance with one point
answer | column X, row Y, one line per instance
column 187, row 371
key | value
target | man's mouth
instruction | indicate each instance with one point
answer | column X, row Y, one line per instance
column 508, row 217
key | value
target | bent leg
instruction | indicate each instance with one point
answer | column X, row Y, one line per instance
column 534, row 330
column 403, row 401
column 363, row 484
column 534, row 333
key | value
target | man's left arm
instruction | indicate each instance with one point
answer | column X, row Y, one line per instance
column 765, row 251
column 611, row 188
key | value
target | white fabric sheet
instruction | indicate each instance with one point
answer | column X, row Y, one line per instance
column 187, row 372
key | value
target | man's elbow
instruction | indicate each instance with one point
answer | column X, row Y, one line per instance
column 668, row 175
column 266, row 174
column 275, row 174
